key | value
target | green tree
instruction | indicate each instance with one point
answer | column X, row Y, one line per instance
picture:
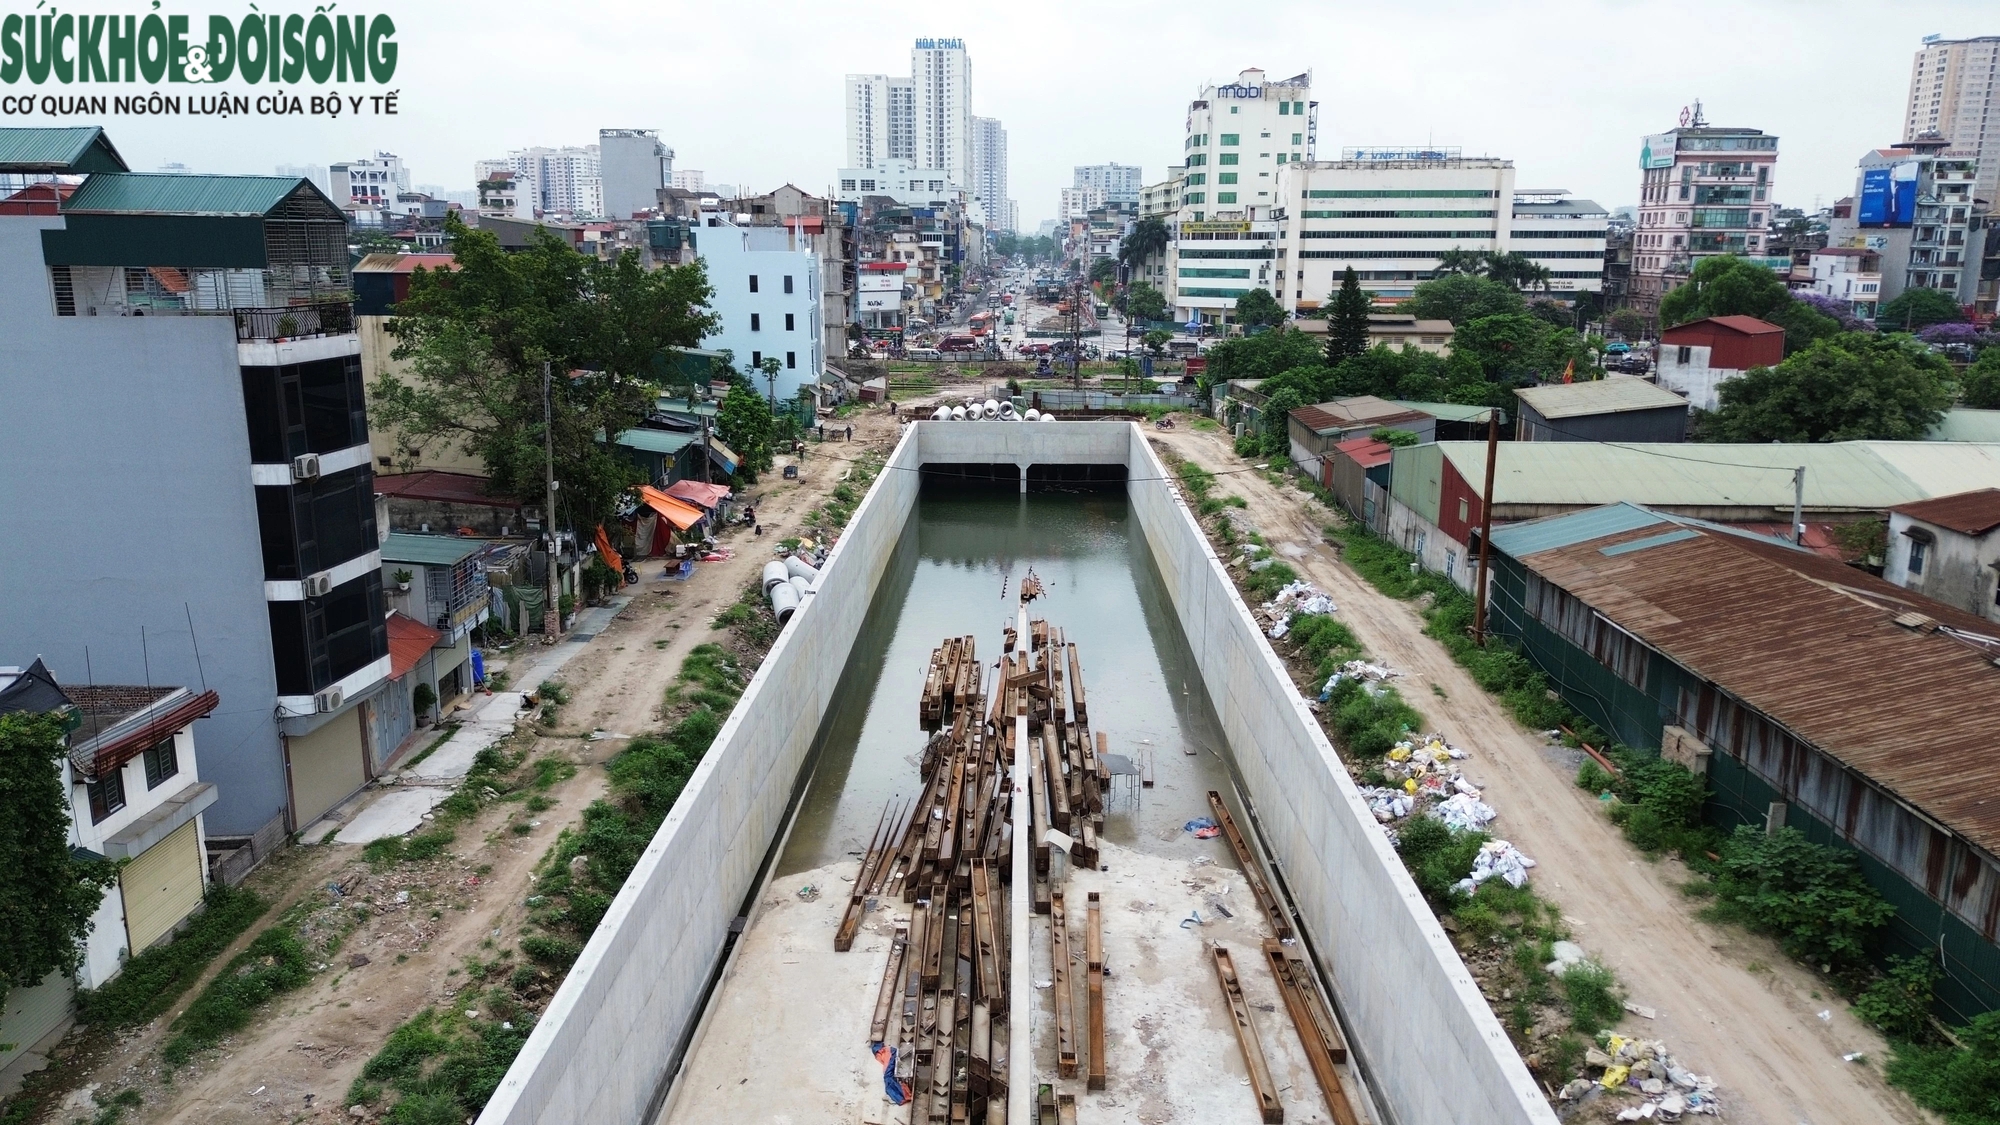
column 476, row 338
column 1104, row 271
column 746, row 425
column 1553, row 313
column 1856, row 386
column 1143, row 302
column 1982, row 381
column 1347, row 325
column 1629, row 323
column 1156, row 341
column 47, row 897
column 1919, row 308
column 1461, row 298
column 1512, row 351
column 1471, row 263
column 1147, row 237
column 1518, row 270
column 1275, row 418
column 1260, row 356
column 1258, row 309
column 1727, row 285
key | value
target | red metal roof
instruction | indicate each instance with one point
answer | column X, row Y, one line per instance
column 409, row 640
column 404, row 263
column 442, row 487
column 1366, row 451
column 109, row 738
column 1968, row 513
column 37, row 199
column 1747, row 325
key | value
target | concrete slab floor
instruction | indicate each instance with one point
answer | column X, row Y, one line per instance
column 395, row 812
column 785, row 1040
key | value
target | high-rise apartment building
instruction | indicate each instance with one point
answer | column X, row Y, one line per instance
column 1239, row 134
column 941, row 72
column 564, row 181
column 633, row 166
column 1120, row 183
column 989, row 172
column 881, row 120
column 1955, row 93
column 1916, row 210
column 689, row 179
column 1076, row 202
column 1704, row 190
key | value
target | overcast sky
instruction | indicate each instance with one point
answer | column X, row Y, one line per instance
column 753, row 94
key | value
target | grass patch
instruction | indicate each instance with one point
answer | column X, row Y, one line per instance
column 275, row 963
column 440, row 740
column 1592, row 997
column 151, row 982
column 444, row 1065
column 1811, row 897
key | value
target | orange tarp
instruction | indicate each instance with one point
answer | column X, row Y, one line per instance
column 611, row 557
column 677, row 512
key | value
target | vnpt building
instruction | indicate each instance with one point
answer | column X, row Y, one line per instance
column 189, row 496
column 1810, row 693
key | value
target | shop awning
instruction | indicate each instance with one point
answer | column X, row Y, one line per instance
column 677, row 512
column 699, row 494
column 723, row 456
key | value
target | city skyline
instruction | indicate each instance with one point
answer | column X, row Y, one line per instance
column 1582, row 133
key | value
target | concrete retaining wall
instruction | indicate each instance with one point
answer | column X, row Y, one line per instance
column 1431, row 1047
column 603, row 1048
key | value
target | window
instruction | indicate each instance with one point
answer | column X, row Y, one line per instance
column 1299, row 109
column 107, row 795
column 1226, row 158
column 1464, row 509
column 1281, row 158
column 791, row 359
column 1196, row 179
column 1918, row 549
column 1225, row 197
column 789, row 326
column 1235, row 109
column 1284, row 109
column 1225, row 177
column 161, row 763
column 1684, row 354
column 1229, row 140
column 756, row 358
column 868, row 185
column 847, row 185
column 753, row 283
column 788, row 283
column 756, row 323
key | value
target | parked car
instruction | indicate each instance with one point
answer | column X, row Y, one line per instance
column 922, row 353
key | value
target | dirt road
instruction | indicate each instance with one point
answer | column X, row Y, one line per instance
column 299, row 1056
column 1730, row 1003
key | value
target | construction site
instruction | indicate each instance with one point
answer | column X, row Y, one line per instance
column 1021, row 821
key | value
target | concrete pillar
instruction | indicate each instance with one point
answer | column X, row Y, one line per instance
column 1022, row 464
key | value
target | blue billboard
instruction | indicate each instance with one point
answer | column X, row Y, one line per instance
column 1875, row 191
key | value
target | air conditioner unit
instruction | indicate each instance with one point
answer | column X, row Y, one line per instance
column 317, row 585
column 305, row 467
column 329, row 700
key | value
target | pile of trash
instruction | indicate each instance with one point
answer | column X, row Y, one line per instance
column 1643, row 1067
column 1372, row 676
column 1424, row 776
column 1296, row 598
column 1497, row 859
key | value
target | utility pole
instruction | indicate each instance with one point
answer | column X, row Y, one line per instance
column 1486, row 529
column 552, row 613
column 706, row 477
column 1799, row 506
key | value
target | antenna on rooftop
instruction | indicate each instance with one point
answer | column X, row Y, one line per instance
column 1699, row 121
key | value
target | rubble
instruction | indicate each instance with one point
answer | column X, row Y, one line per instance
column 1295, row 598
column 1496, row 859
column 1643, row 1069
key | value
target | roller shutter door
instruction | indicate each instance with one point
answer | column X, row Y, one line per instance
column 162, row 886
column 327, row 767
column 32, row 1013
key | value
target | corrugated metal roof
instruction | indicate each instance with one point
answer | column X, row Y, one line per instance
column 436, row 484
column 1347, row 413
column 1970, row 513
column 1813, row 645
column 1840, row 476
column 664, row 442
column 1451, row 411
column 84, row 149
column 409, row 640
column 1967, row 424
column 1610, row 395
column 1548, row 533
column 404, row 263
column 428, row 550
column 155, row 193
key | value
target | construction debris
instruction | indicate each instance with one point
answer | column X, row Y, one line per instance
column 1300, row 597
column 1642, row 1069
column 1497, row 859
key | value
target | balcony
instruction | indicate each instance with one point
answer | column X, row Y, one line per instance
column 196, row 291
column 294, row 322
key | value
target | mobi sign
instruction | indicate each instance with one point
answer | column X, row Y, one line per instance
column 68, row 47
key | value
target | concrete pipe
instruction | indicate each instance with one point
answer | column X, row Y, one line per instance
column 774, row 573
column 992, row 409
column 784, row 601
column 1007, row 413
column 1033, row 415
column 941, row 414
column 958, row 414
column 802, row 585
column 1048, row 417
column 796, row 567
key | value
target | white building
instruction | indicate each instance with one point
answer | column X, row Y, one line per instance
column 1563, row 235
column 881, row 119
column 1955, row 93
column 1848, row 274
column 879, row 299
column 503, row 194
column 941, row 72
column 1915, row 206
column 1120, row 183
column 371, row 183
column 314, row 172
column 900, row 180
column 633, row 166
column 989, row 172
column 1704, row 190
column 1387, row 213
column 689, row 179
column 1948, row 549
column 766, row 282
column 1076, row 202
column 1239, row 135
column 566, row 181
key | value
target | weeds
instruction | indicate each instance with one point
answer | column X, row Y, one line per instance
column 1811, row 897
column 151, row 982
column 274, row 963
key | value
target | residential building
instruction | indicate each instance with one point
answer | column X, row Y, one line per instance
column 1393, row 330
column 941, row 74
column 439, row 583
column 900, row 180
column 566, row 181
column 1614, row 408
column 1076, row 202
column 1704, row 190
column 1239, row 136
column 136, row 797
column 828, row 231
column 1796, row 685
column 632, row 166
column 1435, row 489
column 1915, row 207
column 504, row 194
column 881, row 120
column 1948, row 550
column 1617, row 264
column 184, row 313
column 989, row 173
column 1120, row 183
column 688, row 179
column 1162, row 200
column 767, row 299
column 380, row 281
column 1955, row 94
column 371, row 183
column 434, row 499
column 1315, row 430
column 1389, row 214
column 1847, row 274
column 879, row 301
column 1697, row 357
column 1563, row 235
